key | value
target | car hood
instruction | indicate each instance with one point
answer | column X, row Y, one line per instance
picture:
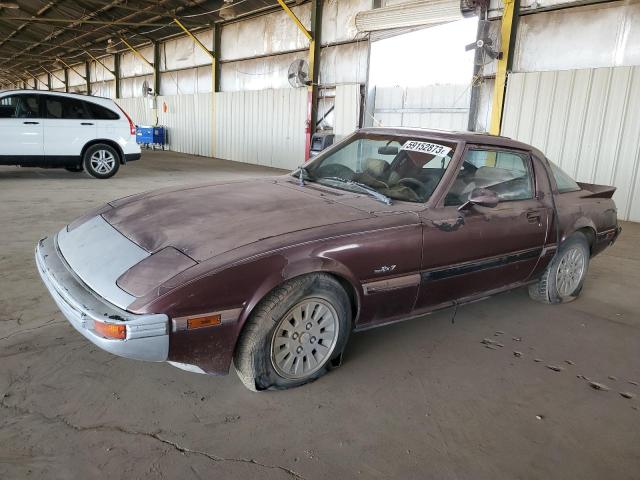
column 208, row 220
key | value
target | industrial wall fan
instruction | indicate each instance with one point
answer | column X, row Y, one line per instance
column 146, row 89
column 298, row 74
column 488, row 43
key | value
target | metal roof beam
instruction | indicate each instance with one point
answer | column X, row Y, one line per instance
column 114, row 23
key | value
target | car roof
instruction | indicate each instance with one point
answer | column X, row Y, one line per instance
column 483, row 138
column 53, row 92
column 104, row 101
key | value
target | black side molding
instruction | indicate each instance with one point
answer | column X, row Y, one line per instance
column 480, row 265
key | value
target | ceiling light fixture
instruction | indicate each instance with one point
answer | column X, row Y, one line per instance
column 227, row 12
column 111, row 48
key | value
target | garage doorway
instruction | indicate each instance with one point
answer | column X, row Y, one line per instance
column 422, row 78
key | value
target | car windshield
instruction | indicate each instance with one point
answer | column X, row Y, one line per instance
column 386, row 167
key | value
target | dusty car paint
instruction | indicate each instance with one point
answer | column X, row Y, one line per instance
column 395, row 261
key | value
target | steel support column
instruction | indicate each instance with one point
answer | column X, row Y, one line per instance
column 507, row 39
column 214, row 74
column 99, row 62
column 217, row 47
column 52, row 75
column 211, row 53
column 116, row 73
column 66, row 79
column 87, row 68
column 154, row 106
column 314, row 63
column 314, row 67
column 156, row 68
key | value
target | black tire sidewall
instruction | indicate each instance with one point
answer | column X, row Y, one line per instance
column 315, row 285
column 86, row 161
column 576, row 240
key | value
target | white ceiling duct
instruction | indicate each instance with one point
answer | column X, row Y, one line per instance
column 411, row 14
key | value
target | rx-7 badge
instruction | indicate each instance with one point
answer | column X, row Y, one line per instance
column 385, row 269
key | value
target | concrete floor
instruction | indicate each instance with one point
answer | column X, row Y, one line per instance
column 421, row 399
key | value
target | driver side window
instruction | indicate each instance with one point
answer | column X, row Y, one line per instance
column 508, row 174
column 20, row 106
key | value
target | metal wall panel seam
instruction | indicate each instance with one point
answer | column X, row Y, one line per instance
column 623, row 121
column 603, row 117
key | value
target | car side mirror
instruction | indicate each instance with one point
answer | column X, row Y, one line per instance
column 482, row 197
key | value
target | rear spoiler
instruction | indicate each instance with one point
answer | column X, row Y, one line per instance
column 591, row 190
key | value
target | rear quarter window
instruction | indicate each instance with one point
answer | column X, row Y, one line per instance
column 564, row 182
column 98, row 112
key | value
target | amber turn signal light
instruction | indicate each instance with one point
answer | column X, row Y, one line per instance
column 110, row 330
column 203, row 321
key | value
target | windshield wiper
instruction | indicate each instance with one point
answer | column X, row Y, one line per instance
column 362, row 186
column 302, row 173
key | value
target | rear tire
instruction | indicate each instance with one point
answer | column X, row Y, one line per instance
column 564, row 278
column 295, row 334
column 101, row 161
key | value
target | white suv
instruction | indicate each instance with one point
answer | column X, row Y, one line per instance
column 76, row 132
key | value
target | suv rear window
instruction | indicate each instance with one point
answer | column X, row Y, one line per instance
column 98, row 112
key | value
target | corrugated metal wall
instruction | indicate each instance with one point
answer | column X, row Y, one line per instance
column 443, row 107
column 188, row 119
column 138, row 109
column 189, row 122
column 347, row 109
column 264, row 127
column 587, row 121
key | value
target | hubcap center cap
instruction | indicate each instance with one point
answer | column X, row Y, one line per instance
column 305, row 338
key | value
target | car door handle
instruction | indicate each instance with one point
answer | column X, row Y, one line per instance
column 31, row 123
column 534, row 217
column 86, row 123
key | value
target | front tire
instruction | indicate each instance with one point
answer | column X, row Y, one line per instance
column 564, row 278
column 294, row 334
column 101, row 161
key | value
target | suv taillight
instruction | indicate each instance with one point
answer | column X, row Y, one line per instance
column 132, row 127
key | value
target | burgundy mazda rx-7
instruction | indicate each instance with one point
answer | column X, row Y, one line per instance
column 274, row 274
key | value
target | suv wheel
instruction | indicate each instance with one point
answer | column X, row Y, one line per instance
column 101, row 161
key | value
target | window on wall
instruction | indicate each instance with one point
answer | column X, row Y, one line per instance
column 508, row 174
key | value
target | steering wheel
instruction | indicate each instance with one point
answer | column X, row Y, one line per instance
column 412, row 183
column 335, row 170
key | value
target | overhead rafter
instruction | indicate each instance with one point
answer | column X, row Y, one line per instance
column 89, row 22
column 68, row 29
column 72, row 43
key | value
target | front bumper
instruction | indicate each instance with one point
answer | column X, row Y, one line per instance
column 147, row 335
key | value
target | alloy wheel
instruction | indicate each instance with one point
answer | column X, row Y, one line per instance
column 304, row 339
column 570, row 271
column 102, row 162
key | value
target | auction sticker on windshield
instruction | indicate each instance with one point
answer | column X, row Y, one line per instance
column 426, row 147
